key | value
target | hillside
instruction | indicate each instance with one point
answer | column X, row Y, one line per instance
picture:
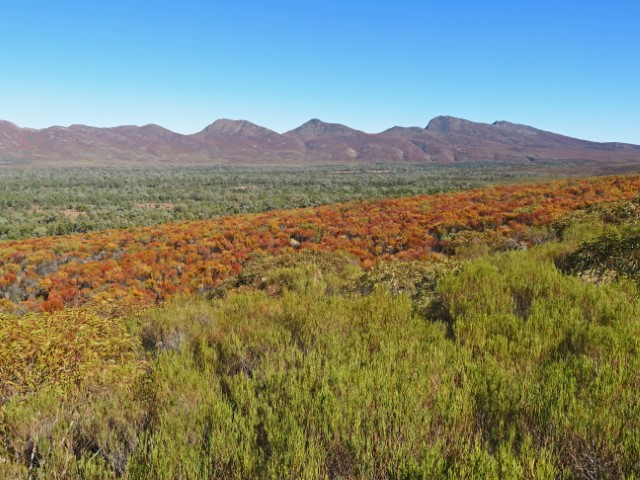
column 444, row 140
column 492, row 333
column 152, row 264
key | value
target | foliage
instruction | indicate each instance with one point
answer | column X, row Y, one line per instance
column 68, row 347
column 418, row 280
column 523, row 372
column 607, row 238
column 62, row 201
column 151, row 264
column 334, row 342
column 609, row 256
column 276, row 273
column 555, row 361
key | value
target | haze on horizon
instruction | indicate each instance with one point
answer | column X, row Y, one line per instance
column 566, row 69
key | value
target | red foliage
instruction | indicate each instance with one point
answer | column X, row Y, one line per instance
column 152, row 263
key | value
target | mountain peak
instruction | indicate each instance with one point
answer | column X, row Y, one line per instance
column 153, row 126
column 79, row 127
column 317, row 128
column 503, row 123
column 446, row 139
column 446, row 124
column 225, row 127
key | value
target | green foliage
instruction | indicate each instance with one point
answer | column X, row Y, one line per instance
column 618, row 212
column 418, row 280
column 607, row 239
column 75, row 346
column 554, row 361
column 587, row 224
column 39, row 202
column 275, row 273
column 467, row 244
column 612, row 255
column 306, row 366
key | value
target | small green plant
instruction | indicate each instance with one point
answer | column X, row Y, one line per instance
column 613, row 255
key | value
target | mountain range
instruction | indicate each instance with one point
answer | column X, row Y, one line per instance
column 445, row 139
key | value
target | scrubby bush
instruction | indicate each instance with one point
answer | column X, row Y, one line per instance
column 306, row 365
column 530, row 374
column 608, row 257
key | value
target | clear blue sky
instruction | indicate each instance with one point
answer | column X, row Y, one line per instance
column 567, row 66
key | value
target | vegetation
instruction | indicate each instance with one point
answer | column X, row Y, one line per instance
column 480, row 346
column 148, row 265
column 61, row 201
column 516, row 371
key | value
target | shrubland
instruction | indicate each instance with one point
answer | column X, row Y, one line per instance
column 152, row 264
column 501, row 355
column 37, row 202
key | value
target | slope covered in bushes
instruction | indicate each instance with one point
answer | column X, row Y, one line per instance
column 489, row 362
column 307, row 367
column 152, row 264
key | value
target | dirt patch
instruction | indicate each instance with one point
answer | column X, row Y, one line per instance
column 73, row 213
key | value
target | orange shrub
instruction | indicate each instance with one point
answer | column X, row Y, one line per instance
column 153, row 263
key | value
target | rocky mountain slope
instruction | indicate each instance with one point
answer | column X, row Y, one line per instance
column 444, row 140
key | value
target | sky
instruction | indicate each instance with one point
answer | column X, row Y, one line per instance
column 571, row 67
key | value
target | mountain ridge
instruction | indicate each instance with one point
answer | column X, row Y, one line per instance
column 445, row 139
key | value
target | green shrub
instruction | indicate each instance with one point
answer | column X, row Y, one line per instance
column 613, row 255
column 515, row 370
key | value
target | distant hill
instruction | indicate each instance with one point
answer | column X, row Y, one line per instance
column 444, row 140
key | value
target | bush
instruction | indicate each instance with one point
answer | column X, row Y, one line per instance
column 611, row 256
